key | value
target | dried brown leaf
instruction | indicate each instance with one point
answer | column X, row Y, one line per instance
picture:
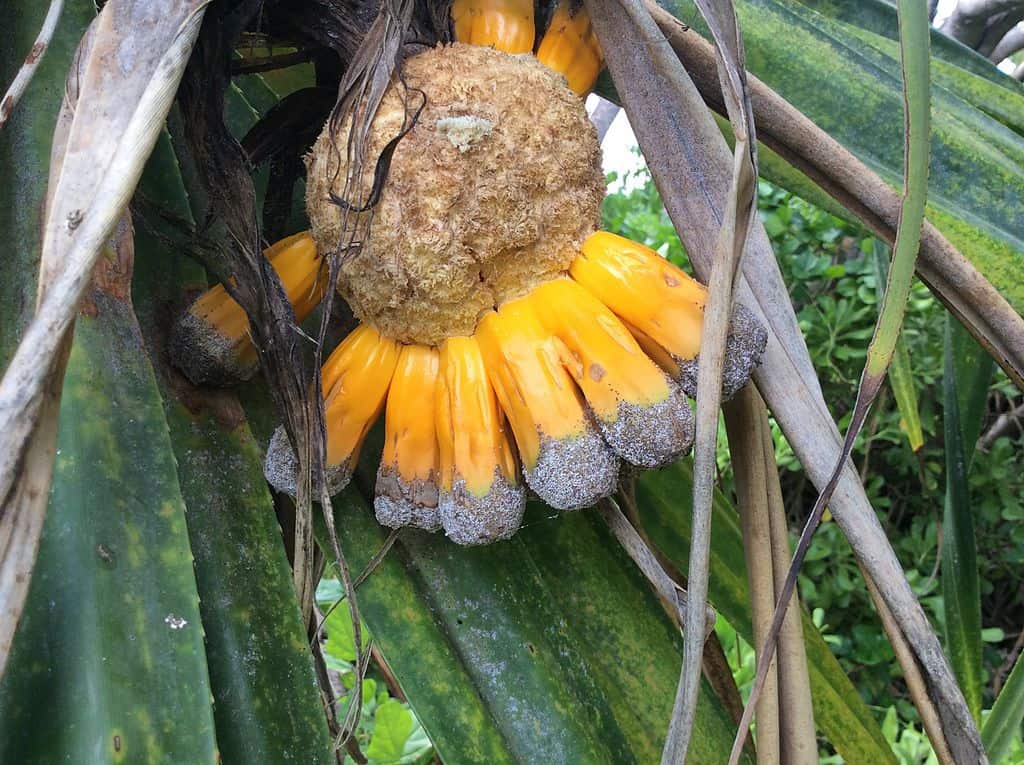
column 125, row 77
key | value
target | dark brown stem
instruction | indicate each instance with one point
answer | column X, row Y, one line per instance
column 879, row 405
column 269, row 63
column 999, row 676
column 394, row 689
column 1005, row 424
column 31, row 63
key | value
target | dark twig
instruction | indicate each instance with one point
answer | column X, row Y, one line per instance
column 378, row 557
column 269, row 63
column 394, row 689
column 1000, row 675
column 1004, row 425
column 368, row 569
column 359, row 95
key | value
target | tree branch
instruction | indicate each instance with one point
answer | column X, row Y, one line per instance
column 1004, row 425
column 1012, row 42
column 997, row 29
column 970, row 18
column 35, row 55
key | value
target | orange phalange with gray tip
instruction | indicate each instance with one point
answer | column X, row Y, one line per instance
column 642, row 414
column 565, row 460
column 645, row 290
column 406, row 493
column 356, row 378
column 664, row 309
column 480, row 499
column 505, row 25
column 658, row 355
column 217, row 327
column 570, row 47
column 355, row 382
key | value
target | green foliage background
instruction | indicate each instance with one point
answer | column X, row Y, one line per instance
column 827, row 263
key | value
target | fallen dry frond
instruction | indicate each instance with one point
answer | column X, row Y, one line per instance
column 119, row 93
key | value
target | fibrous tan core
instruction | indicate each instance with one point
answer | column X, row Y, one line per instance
column 492, row 192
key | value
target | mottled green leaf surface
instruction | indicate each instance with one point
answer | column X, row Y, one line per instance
column 546, row 648
column 839, row 712
column 977, row 162
column 108, row 662
column 879, row 17
column 266, row 702
column 1003, row 102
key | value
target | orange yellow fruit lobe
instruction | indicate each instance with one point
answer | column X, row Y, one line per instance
column 219, row 310
column 506, row 25
column 599, row 352
column 645, row 290
column 212, row 343
column 472, row 443
column 297, row 264
column 658, row 355
column 535, row 392
column 570, row 47
column 283, row 244
column 356, row 378
column 410, row 440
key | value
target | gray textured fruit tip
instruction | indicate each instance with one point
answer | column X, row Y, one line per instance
column 399, row 503
column 652, row 436
column 471, row 520
column 744, row 347
column 281, row 467
column 205, row 356
column 573, row 473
